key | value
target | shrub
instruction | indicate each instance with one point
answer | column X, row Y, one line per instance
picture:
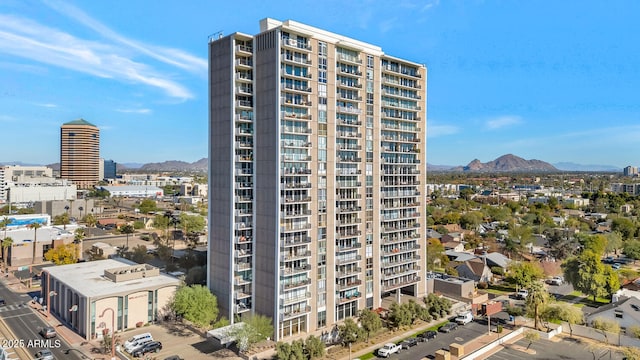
column 483, row 285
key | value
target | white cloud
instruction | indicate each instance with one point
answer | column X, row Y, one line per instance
column 441, row 130
column 134, row 111
column 430, row 4
column 48, row 105
column 23, row 38
column 502, row 121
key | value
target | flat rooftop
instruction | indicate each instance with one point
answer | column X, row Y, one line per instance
column 88, row 278
column 46, row 234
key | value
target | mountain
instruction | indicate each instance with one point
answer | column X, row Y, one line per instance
column 569, row 166
column 431, row 167
column 130, row 165
column 507, row 163
column 175, row 165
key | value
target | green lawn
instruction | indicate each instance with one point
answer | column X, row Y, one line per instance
column 584, row 299
column 500, row 289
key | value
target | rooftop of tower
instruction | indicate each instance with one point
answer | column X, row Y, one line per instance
column 79, row 122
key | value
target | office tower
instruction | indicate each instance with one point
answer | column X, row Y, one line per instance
column 317, row 168
column 80, row 153
column 110, row 169
column 630, row 171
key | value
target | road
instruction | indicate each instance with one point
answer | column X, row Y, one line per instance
column 428, row 349
column 24, row 323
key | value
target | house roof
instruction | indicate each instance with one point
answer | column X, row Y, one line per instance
column 476, row 266
column 630, row 306
column 459, row 256
column 432, row 234
column 79, row 122
column 496, row 259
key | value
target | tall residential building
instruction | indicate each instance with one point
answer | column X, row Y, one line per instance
column 630, row 171
column 80, row 153
column 318, row 160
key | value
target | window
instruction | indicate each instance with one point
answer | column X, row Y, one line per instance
column 322, row 48
column 369, row 61
column 322, row 319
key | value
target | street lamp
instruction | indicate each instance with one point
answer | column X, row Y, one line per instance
column 113, row 332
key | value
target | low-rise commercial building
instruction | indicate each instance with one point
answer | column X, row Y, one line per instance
column 93, row 298
column 141, row 191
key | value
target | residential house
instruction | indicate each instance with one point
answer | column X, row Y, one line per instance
column 432, row 234
column 452, row 245
column 475, row 270
column 625, row 312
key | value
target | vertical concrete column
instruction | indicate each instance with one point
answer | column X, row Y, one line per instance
column 443, row 355
column 457, row 350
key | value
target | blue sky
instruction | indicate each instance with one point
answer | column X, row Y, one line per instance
column 549, row 80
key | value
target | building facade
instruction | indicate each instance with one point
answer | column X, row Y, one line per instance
column 11, row 174
column 80, row 153
column 110, row 169
column 318, row 157
column 99, row 296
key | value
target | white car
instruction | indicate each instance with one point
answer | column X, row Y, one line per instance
column 464, row 318
column 522, row 294
column 556, row 280
column 388, row 349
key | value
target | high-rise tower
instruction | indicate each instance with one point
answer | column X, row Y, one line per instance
column 317, row 169
column 80, row 153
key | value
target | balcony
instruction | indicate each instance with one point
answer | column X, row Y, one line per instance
column 348, row 272
column 244, row 104
column 244, row 77
column 295, row 256
column 298, row 227
column 287, row 42
column 348, row 110
column 295, row 116
column 296, row 185
column 296, row 199
column 400, row 250
column 295, row 241
column 409, row 260
column 349, row 285
column 242, row 294
column 293, row 171
column 288, row 271
column 349, row 85
column 348, row 209
column 295, row 313
column 292, row 300
column 242, row 307
column 348, row 71
column 295, row 60
column 243, row 253
column 239, row 281
column 349, row 59
column 297, row 88
column 349, row 298
column 244, row 49
column 349, row 260
column 394, row 274
column 295, row 214
column 353, row 246
column 395, row 285
column 289, row 286
column 348, row 234
column 244, row 117
column 244, row 62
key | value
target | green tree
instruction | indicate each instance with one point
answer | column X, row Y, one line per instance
column 350, row 332
column 196, row 275
column 471, row 220
column 196, row 304
column 192, row 223
column 437, row 306
column 524, row 273
column 35, row 226
column 139, row 254
column 514, row 311
column 90, row 220
column 596, row 243
column 435, row 254
column 587, row 274
column 7, row 242
column 314, row 347
column 255, row 329
column 537, row 298
column 370, row 321
column 606, row 326
column 400, row 315
column 631, row 248
column 531, row 336
column 78, row 238
column 62, row 219
column 62, row 254
column 4, row 224
column 161, row 222
column 128, row 230
column 564, row 312
column 147, row 205
column 614, row 242
column 624, row 226
column 630, row 353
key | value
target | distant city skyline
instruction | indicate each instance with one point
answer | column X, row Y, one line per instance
column 550, row 81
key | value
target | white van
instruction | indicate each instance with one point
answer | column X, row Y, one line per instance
column 136, row 341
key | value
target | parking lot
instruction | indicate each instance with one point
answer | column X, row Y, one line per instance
column 176, row 339
column 461, row 335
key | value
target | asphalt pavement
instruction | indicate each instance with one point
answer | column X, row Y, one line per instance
column 24, row 325
column 428, row 349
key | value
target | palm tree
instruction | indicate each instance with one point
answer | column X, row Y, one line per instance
column 536, row 299
column 6, row 244
column 79, row 237
column 4, row 224
column 127, row 229
column 35, row 226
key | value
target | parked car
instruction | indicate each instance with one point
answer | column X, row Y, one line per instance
column 3, row 302
column 388, row 349
column 48, row 332
column 522, row 294
column 44, row 355
column 154, row 346
column 448, row 327
column 464, row 318
column 136, row 341
column 556, row 280
column 616, row 266
column 407, row 343
column 427, row 335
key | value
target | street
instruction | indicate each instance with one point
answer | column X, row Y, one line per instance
column 24, row 323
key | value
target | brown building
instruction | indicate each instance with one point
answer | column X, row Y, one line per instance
column 80, row 153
